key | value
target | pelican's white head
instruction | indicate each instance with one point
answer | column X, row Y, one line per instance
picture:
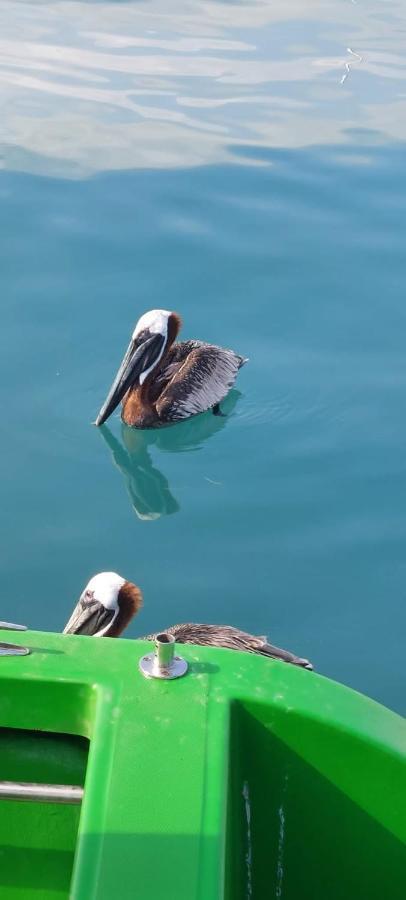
column 104, row 588
column 155, row 321
column 105, row 607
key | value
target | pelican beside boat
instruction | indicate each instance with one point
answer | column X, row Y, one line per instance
column 108, row 604
column 161, row 381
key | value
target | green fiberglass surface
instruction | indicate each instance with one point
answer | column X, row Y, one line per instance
column 247, row 778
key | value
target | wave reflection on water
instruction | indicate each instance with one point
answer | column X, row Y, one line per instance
column 89, row 87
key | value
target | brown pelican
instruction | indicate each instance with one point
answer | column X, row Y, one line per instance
column 160, row 381
column 108, row 604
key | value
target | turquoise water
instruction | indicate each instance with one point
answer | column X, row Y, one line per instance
column 243, row 164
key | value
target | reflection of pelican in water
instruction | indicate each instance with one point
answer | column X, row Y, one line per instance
column 146, row 486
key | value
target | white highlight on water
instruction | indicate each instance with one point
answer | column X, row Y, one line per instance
column 248, row 855
column 281, row 843
column 357, row 55
column 347, row 64
column 279, row 864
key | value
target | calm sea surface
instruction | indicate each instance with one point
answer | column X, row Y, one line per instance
column 243, row 164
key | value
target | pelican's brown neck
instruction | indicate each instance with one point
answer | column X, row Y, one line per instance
column 129, row 603
column 174, row 326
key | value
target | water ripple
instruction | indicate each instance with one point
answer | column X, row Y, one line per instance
column 95, row 86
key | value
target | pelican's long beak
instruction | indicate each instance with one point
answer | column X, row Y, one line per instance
column 142, row 353
column 89, row 617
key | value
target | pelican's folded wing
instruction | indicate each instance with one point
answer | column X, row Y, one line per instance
column 203, row 379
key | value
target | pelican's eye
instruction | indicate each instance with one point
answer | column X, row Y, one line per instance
column 143, row 335
column 88, row 596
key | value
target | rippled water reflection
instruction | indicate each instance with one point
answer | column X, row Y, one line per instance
column 146, row 486
column 94, row 86
column 242, row 163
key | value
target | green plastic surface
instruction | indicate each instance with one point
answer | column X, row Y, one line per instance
column 37, row 840
column 247, row 779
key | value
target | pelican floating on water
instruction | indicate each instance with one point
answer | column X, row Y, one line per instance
column 108, row 604
column 160, row 381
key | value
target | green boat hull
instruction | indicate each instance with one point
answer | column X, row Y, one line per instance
column 247, row 779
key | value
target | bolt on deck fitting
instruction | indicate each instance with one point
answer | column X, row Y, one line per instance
column 163, row 663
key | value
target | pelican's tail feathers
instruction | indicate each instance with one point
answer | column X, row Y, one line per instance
column 286, row 656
